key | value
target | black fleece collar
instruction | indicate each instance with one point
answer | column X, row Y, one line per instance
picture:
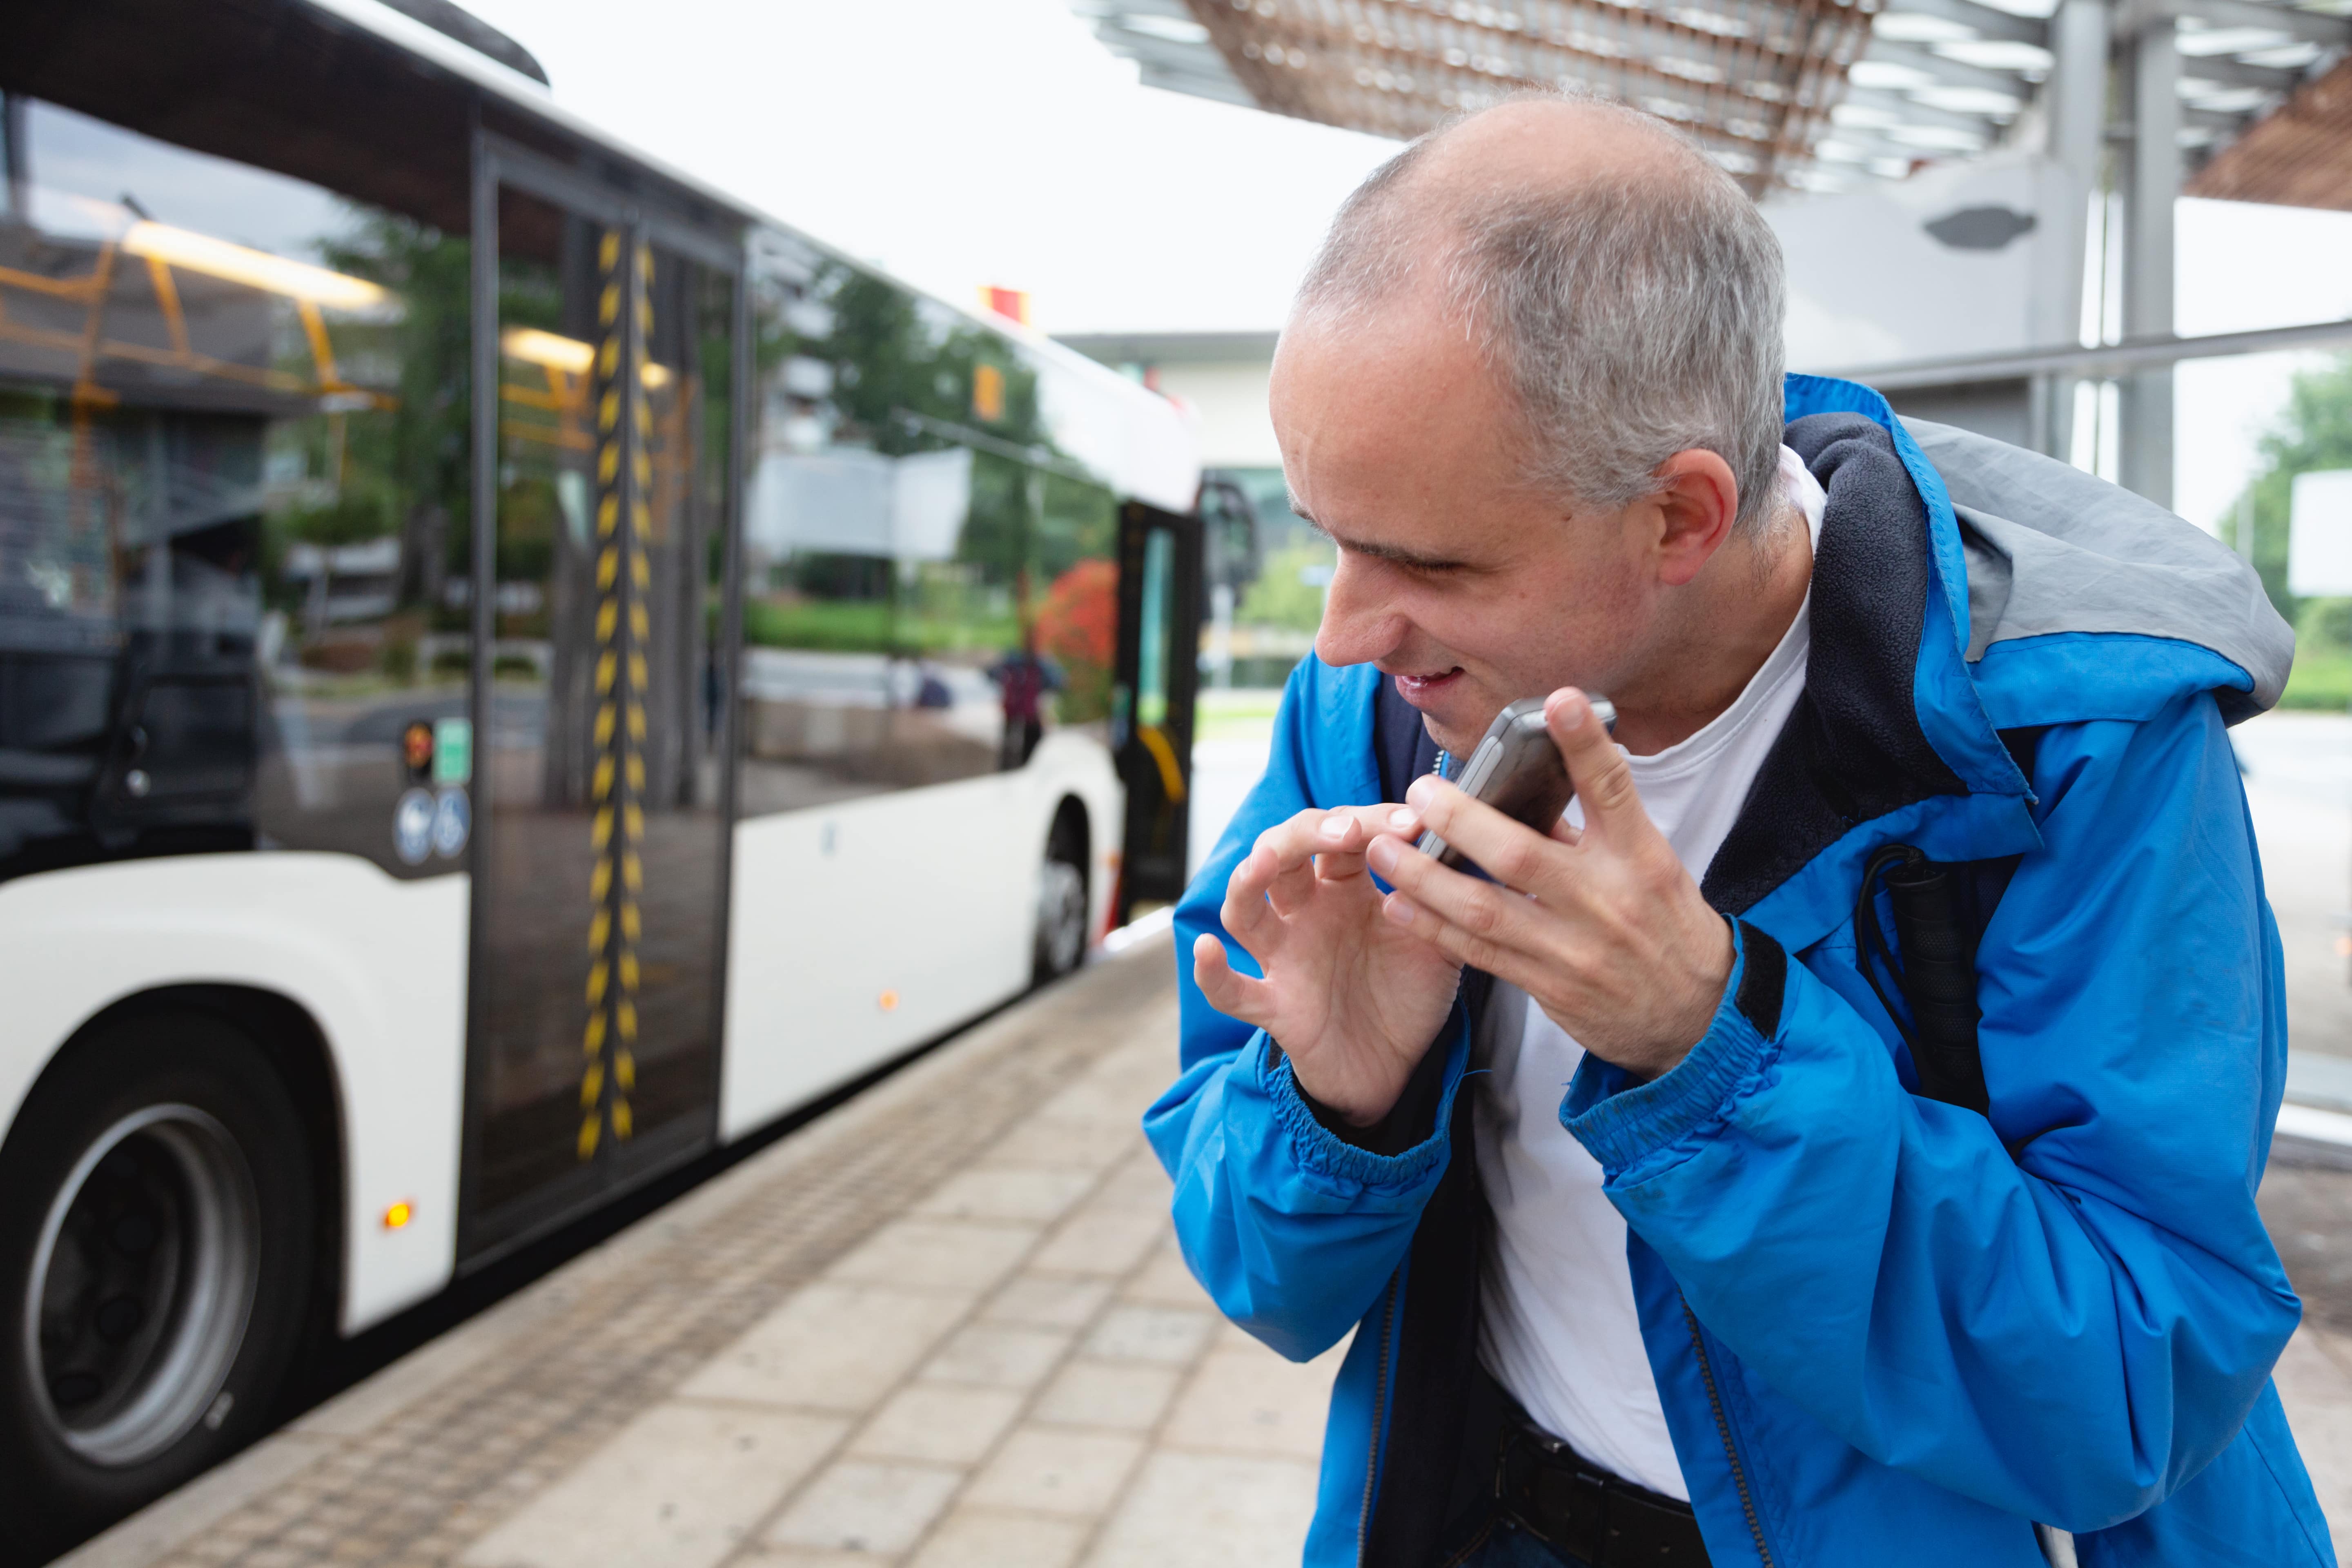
column 1853, row 748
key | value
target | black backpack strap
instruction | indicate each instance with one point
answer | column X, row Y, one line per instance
column 1941, row 911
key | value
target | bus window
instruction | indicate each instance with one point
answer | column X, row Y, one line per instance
column 233, row 460
column 928, row 584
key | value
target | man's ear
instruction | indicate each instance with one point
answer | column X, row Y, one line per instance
column 1698, row 500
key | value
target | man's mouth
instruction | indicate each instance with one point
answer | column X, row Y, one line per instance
column 1423, row 690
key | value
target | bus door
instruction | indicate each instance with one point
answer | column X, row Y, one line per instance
column 604, row 346
column 1152, row 701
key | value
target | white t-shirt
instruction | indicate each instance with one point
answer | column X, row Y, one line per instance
column 1560, row 1328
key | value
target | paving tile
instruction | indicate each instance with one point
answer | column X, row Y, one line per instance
column 1253, row 1402
column 680, row 1486
column 1171, row 1335
column 1101, row 1241
column 829, row 1347
column 858, row 1505
column 1164, row 1281
column 1204, row 1510
column 936, row 1254
column 998, row 1355
column 1038, row 1196
column 1047, row 1301
column 1047, row 1143
column 1121, row 1395
column 975, row 1538
column 939, row 1422
column 1056, row 1470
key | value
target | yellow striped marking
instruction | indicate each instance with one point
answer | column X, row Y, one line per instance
column 600, row 880
column 588, row 1129
column 622, row 1125
column 600, row 829
column 633, row 874
column 625, row 1071
column 599, row 930
column 608, row 614
column 608, row 567
column 598, row 978
column 630, row 927
column 604, row 725
column 592, row 1084
column 593, row 1039
column 608, row 516
column 625, row 1014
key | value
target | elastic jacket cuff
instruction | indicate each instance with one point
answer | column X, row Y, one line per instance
column 1621, row 1123
column 1349, row 1159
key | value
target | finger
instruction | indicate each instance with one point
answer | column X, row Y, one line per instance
column 1513, row 854
column 1245, row 912
column 1603, row 778
column 1236, row 995
column 1344, row 835
column 1492, row 914
column 1507, row 964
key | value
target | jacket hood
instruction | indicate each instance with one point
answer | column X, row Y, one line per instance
column 2051, row 551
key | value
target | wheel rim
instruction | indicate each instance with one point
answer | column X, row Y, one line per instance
column 1062, row 915
column 141, row 1286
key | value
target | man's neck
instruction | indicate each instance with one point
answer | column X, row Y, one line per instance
column 1731, row 617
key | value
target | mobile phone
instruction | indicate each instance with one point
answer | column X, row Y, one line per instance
column 1516, row 769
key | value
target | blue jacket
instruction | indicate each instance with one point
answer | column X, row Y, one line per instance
column 1884, row 1330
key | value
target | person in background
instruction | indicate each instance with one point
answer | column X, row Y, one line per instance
column 1622, row 1167
column 1022, row 679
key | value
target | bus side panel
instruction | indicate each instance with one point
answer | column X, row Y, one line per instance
column 378, row 963
column 862, row 929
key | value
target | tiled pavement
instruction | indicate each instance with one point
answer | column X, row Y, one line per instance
column 943, row 1326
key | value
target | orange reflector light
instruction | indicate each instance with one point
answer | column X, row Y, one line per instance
column 398, row 1215
column 887, row 1001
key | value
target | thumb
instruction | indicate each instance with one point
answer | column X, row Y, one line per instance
column 1603, row 778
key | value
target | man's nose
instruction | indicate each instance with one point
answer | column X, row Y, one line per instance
column 1361, row 621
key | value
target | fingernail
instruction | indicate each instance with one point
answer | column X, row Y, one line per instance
column 1403, row 817
column 1335, row 826
column 1399, row 908
column 1382, row 855
column 1421, row 791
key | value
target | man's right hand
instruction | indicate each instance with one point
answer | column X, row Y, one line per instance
column 1351, row 996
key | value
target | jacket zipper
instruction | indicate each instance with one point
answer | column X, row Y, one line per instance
column 1723, row 1429
column 1379, row 1414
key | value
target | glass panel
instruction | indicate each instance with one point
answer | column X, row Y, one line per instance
column 928, row 580
column 233, row 464
column 601, row 914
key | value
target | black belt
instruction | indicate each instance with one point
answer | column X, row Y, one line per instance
column 1570, row 1503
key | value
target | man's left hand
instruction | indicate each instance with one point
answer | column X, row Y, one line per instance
column 1601, row 925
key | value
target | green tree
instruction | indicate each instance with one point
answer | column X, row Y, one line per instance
column 2313, row 431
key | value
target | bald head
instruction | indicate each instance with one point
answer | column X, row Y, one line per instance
column 1622, row 287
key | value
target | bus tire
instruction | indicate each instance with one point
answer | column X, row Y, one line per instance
column 1061, row 940
column 156, row 1270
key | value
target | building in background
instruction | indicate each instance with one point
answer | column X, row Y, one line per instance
column 2023, row 156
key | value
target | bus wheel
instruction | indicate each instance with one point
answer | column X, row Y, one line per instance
column 1062, row 899
column 158, row 1256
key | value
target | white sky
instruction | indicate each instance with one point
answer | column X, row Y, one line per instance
column 963, row 142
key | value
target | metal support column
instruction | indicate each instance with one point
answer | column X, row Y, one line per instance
column 2074, row 167
column 2154, row 68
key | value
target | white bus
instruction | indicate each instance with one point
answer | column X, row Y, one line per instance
column 515, row 670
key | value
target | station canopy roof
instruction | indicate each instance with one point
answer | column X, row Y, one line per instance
column 1803, row 94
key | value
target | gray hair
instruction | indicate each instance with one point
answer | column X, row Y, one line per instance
column 1635, row 317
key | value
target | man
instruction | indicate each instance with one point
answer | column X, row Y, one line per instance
column 1617, row 1166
